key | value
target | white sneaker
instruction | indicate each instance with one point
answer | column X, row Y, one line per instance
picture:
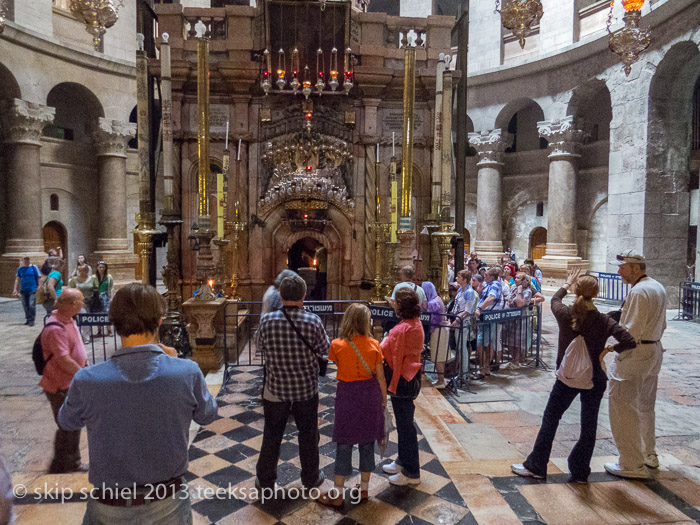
column 401, row 480
column 616, row 470
column 440, row 385
column 520, row 470
column 392, row 468
column 652, row 461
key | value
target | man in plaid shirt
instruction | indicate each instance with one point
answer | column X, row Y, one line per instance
column 291, row 383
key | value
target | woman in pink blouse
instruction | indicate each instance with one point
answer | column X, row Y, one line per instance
column 402, row 351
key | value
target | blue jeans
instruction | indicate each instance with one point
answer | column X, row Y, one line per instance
column 343, row 458
column 29, row 305
column 175, row 510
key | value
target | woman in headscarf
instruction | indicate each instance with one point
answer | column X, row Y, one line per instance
column 437, row 333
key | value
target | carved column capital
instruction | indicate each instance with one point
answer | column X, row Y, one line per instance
column 112, row 137
column 22, row 121
column 490, row 145
column 564, row 139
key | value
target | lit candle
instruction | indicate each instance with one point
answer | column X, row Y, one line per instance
column 377, row 152
column 393, row 146
column 226, row 146
column 238, row 155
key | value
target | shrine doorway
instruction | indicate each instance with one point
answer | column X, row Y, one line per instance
column 307, row 257
column 538, row 243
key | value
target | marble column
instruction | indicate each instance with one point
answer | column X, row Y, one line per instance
column 21, row 124
column 562, row 250
column 111, row 140
column 490, row 146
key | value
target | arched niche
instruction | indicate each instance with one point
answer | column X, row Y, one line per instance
column 77, row 112
column 9, row 88
column 538, row 243
column 669, row 135
column 519, row 118
column 591, row 106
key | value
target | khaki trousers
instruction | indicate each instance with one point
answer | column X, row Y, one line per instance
column 633, row 381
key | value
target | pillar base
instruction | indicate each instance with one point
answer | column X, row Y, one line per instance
column 10, row 262
column 555, row 268
column 568, row 250
column 490, row 252
column 120, row 264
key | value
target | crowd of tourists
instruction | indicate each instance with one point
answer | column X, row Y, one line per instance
column 297, row 348
column 45, row 285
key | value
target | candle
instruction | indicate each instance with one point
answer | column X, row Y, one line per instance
column 220, row 205
column 377, row 152
column 393, row 146
column 226, row 146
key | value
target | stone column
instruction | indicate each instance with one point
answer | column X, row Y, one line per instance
column 562, row 250
column 111, row 140
column 490, row 145
column 21, row 125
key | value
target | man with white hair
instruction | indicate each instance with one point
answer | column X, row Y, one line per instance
column 634, row 374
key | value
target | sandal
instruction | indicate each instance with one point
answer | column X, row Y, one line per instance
column 325, row 499
column 364, row 494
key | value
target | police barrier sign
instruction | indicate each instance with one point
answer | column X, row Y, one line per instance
column 500, row 315
column 386, row 313
column 93, row 319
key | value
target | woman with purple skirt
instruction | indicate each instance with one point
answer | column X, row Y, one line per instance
column 359, row 403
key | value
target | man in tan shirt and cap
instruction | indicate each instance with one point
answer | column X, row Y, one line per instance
column 634, row 374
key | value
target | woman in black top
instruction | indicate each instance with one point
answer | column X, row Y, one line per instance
column 580, row 319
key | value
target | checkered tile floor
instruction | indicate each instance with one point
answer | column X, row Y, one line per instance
column 223, row 457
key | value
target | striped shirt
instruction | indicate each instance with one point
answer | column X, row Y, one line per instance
column 291, row 367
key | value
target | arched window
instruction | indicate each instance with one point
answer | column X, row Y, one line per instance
column 540, row 209
column 53, row 201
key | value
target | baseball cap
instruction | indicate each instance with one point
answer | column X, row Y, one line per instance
column 629, row 256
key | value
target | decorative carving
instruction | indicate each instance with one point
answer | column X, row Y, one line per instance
column 112, row 137
column 490, row 145
column 23, row 121
column 563, row 138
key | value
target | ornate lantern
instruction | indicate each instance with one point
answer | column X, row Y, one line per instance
column 98, row 16
column 519, row 15
column 631, row 40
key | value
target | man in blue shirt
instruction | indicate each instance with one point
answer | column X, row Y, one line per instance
column 491, row 298
column 138, row 407
column 26, row 283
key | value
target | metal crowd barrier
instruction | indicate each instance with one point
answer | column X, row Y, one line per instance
column 93, row 328
column 610, row 287
column 464, row 346
column 689, row 301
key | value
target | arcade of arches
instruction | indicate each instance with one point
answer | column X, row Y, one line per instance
column 567, row 174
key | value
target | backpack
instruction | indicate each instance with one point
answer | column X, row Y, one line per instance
column 42, row 292
column 38, row 352
column 576, row 369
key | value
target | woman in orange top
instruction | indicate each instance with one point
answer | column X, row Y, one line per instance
column 359, row 402
column 402, row 350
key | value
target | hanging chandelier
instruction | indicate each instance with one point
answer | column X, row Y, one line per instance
column 631, row 40
column 519, row 15
column 97, row 15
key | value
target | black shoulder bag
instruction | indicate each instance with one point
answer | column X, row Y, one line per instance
column 322, row 360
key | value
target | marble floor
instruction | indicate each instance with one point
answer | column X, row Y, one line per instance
column 467, row 443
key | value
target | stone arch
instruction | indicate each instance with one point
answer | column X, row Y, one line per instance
column 668, row 160
column 520, row 117
column 335, row 237
column 77, row 112
column 591, row 106
column 519, row 218
column 9, row 87
column 133, row 118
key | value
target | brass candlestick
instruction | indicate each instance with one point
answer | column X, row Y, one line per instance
column 379, row 232
column 444, row 236
column 220, row 284
column 235, row 228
